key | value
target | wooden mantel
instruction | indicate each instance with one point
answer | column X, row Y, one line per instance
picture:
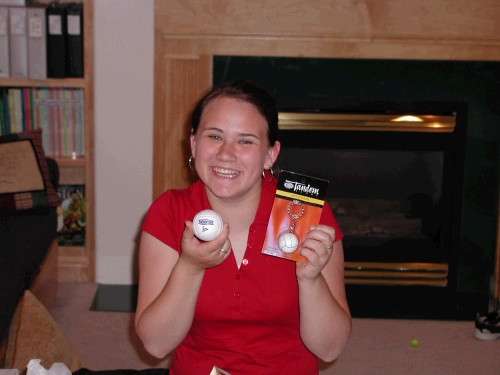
column 189, row 32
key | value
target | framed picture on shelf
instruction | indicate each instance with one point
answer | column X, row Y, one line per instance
column 71, row 215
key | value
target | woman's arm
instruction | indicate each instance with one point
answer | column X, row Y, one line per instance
column 169, row 285
column 167, row 297
column 325, row 320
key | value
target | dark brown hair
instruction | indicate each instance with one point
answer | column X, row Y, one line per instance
column 247, row 91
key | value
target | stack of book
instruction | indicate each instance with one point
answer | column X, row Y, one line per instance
column 40, row 41
column 57, row 111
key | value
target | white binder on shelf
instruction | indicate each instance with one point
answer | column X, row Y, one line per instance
column 19, row 3
column 18, row 42
column 37, row 42
column 4, row 42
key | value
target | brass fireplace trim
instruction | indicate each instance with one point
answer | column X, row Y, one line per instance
column 365, row 122
column 393, row 273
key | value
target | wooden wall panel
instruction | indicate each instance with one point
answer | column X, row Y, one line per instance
column 428, row 19
column 184, row 77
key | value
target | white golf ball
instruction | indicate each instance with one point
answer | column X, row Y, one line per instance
column 207, row 225
column 288, row 243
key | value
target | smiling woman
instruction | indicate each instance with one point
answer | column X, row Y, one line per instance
column 231, row 150
column 221, row 302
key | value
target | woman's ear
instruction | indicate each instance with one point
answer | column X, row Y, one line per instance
column 272, row 153
column 192, row 142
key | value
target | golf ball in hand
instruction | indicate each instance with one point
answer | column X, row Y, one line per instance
column 207, row 225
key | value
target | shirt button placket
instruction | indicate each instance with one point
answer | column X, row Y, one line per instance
column 243, row 263
column 237, row 286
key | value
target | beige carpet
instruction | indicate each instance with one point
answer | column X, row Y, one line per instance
column 107, row 340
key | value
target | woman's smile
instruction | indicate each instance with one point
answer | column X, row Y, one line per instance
column 226, row 173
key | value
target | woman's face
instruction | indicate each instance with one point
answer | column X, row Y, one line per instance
column 231, row 148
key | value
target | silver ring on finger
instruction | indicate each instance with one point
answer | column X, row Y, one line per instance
column 224, row 251
column 329, row 247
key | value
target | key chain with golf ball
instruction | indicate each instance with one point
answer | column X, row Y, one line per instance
column 288, row 242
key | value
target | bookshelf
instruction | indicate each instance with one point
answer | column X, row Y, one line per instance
column 76, row 263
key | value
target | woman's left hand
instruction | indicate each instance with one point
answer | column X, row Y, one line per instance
column 317, row 248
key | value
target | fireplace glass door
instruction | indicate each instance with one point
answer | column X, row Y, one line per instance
column 395, row 190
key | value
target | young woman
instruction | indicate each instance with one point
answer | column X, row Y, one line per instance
column 223, row 303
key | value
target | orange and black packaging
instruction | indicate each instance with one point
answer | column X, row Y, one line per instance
column 297, row 206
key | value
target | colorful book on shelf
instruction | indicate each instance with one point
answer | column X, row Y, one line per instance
column 57, row 111
column 53, row 121
column 80, row 122
column 71, row 219
column 7, row 112
column 70, row 113
column 3, row 111
column 27, row 109
column 10, row 110
column 18, row 96
column 40, row 120
column 15, row 110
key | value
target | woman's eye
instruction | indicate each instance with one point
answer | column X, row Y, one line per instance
column 215, row 137
column 246, row 142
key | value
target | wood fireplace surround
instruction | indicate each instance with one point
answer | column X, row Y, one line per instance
column 189, row 32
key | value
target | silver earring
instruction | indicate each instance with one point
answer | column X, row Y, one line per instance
column 271, row 173
column 190, row 163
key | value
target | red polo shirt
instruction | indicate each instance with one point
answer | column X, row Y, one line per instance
column 247, row 319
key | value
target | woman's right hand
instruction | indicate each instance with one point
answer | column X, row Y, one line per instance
column 200, row 254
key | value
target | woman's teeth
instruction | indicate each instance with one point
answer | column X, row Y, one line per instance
column 226, row 172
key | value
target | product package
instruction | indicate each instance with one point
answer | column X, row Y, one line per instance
column 297, row 205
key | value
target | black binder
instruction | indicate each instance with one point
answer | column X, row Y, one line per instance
column 74, row 41
column 56, row 40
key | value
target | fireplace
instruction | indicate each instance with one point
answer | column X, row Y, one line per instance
column 460, row 282
column 376, row 51
column 395, row 189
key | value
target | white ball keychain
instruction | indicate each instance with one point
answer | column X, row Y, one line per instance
column 207, row 225
column 288, row 242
